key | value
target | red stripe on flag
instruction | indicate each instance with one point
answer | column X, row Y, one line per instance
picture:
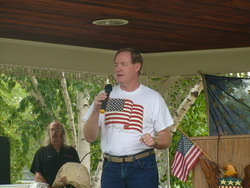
column 131, row 115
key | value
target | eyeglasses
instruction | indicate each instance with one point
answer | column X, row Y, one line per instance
column 55, row 129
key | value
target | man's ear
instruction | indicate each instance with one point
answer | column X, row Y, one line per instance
column 138, row 67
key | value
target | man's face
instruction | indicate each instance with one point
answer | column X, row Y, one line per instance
column 55, row 132
column 125, row 71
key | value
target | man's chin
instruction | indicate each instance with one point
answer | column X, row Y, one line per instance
column 55, row 138
column 119, row 80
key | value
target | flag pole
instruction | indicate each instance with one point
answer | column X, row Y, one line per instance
column 198, row 147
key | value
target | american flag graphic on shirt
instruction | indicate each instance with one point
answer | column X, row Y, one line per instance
column 125, row 112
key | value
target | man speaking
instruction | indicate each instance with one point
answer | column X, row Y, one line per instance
column 136, row 120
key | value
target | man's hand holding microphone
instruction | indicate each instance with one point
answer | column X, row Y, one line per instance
column 102, row 98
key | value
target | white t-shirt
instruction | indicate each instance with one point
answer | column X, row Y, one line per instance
column 128, row 116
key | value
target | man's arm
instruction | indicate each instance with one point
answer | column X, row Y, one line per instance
column 91, row 128
column 163, row 140
column 39, row 178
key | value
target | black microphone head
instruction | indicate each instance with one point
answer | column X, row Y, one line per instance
column 108, row 88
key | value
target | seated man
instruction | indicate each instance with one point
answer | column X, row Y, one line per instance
column 51, row 157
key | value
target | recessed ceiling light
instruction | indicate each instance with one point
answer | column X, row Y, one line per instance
column 110, row 22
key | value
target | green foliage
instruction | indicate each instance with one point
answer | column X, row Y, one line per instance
column 11, row 94
column 23, row 118
column 95, row 155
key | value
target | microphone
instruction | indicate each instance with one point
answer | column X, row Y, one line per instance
column 108, row 89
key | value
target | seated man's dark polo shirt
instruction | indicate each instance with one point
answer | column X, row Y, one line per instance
column 47, row 161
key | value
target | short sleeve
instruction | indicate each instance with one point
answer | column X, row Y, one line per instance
column 76, row 155
column 36, row 165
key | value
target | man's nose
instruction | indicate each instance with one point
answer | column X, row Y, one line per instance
column 118, row 68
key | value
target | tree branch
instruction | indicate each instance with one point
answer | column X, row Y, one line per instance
column 69, row 109
column 186, row 104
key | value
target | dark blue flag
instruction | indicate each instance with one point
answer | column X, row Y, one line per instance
column 228, row 105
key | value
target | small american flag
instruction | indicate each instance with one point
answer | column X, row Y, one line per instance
column 123, row 111
column 186, row 156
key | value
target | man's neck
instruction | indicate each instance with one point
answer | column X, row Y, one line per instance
column 130, row 87
column 57, row 145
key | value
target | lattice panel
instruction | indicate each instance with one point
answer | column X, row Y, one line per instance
column 14, row 70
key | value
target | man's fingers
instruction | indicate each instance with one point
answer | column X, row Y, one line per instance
column 147, row 139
